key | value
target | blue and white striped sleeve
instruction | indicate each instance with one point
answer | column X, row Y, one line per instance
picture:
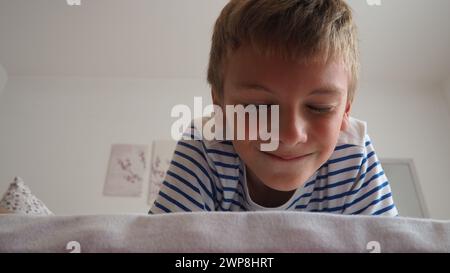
column 188, row 184
column 373, row 194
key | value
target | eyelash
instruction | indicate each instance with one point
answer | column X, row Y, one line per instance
column 320, row 110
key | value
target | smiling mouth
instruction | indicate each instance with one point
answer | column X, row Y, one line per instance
column 287, row 158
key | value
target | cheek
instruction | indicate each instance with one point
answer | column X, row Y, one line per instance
column 243, row 131
column 326, row 132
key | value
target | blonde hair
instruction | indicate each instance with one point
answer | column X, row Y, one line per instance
column 308, row 30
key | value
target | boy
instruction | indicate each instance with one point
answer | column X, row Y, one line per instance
column 301, row 55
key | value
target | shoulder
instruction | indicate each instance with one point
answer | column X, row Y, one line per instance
column 354, row 149
column 352, row 146
column 355, row 134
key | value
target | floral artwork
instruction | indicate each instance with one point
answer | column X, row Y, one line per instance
column 162, row 152
column 127, row 170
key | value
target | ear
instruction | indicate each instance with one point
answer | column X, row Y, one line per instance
column 346, row 119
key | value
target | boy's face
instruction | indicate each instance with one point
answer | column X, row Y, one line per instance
column 313, row 109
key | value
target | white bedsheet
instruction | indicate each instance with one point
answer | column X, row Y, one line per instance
column 223, row 232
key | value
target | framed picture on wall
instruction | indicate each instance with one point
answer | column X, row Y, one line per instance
column 162, row 152
column 127, row 170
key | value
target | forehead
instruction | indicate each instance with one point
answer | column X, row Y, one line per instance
column 246, row 66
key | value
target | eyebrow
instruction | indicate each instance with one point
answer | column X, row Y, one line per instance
column 327, row 90
column 324, row 90
column 253, row 86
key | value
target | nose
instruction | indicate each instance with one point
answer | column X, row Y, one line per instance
column 292, row 127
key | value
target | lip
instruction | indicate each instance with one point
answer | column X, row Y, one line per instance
column 287, row 158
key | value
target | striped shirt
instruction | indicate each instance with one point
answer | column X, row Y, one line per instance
column 210, row 176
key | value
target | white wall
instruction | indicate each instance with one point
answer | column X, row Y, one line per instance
column 412, row 121
column 3, row 79
column 447, row 93
column 56, row 133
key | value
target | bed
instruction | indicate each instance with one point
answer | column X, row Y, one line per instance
column 222, row 232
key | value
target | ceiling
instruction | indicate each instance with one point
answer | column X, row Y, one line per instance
column 401, row 40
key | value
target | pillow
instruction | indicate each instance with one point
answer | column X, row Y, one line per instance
column 19, row 199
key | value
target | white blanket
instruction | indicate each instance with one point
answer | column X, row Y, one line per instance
column 223, row 232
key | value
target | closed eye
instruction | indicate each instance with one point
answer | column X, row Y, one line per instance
column 320, row 109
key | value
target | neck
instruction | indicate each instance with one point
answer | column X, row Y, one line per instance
column 263, row 195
